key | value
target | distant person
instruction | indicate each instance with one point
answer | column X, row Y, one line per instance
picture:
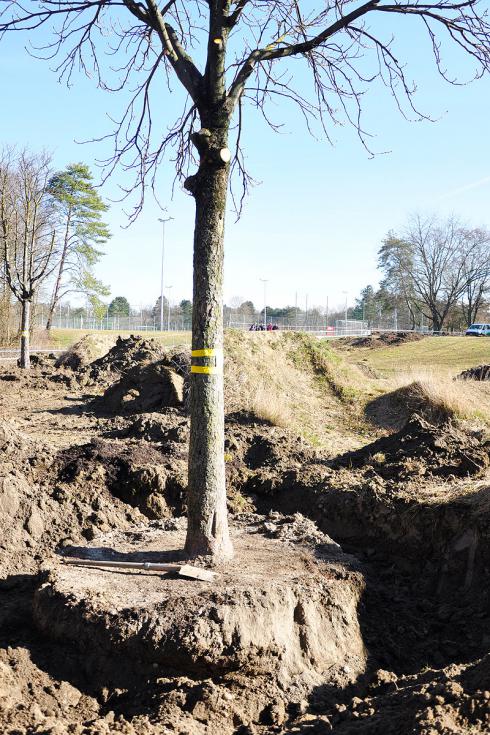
column 269, row 327
column 275, row 328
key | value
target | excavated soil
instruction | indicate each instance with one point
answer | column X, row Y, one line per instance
column 378, row 339
column 287, row 634
column 91, row 347
column 143, row 389
column 410, row 510
column 481, row 372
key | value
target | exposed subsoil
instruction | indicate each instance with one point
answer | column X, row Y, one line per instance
column 480, row 372
column 411, row 511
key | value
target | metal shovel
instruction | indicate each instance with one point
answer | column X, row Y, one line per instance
column 183, row 570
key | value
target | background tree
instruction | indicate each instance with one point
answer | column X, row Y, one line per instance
column 156, row 309
column 79, row 209
column 97, row 306
column 186, row 310
column 366, row 307
column 27, row 235
column 5, row 306
column 395, row 259
column 477, row 275
column 119, row 306
column 435, row 261
column 243, row 50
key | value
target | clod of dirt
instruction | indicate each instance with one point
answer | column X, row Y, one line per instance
column 86, row 350
column 167, row 429
column 481, row 372
column 423, row 449
column 141, row 389
column 282, row 614
column 432, row 702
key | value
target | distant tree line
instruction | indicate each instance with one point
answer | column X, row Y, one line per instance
column 51, row 235
column 436, row 273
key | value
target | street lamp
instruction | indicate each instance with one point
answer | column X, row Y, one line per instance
column 168, row 310
column 162, row 220
column 265, row 281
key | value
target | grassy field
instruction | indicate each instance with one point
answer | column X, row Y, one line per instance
column 434, row 354
column 63, row 338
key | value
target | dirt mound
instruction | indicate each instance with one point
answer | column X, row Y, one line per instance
column 91, row 347
column 136, row 473
column 427, row 703
column 287, row 632
column 127, row 353
column 481, row 372
column 380, row 339
column 142, row 389
column 167, row 429
column 41, row 505
column 256, row 454
column 422, row 449
column 392, row 410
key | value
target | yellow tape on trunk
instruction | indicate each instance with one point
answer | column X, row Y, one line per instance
column 205, row 369
column 206, row 352
column 24, row 334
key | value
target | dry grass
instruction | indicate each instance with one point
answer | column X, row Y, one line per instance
column 293, row 381
column 440, row 395
column 435, row 354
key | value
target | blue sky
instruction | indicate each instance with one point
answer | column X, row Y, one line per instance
column 316, row 219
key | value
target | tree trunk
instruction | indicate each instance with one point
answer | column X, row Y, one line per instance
column 56, row 290
column 207, row 532
column 436, row 321
column 25, row 358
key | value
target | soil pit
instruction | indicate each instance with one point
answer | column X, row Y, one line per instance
column 283, row 612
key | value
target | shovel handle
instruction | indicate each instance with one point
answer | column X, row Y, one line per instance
column 151, row 566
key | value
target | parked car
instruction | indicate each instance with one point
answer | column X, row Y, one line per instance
column 478, row 330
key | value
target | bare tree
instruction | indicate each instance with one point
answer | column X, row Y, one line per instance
column 434, row 264
column 247, row 51
column 477, row 272
column 27, row 240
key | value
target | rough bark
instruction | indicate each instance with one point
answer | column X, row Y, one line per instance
column 207, row 532
column 25, row 357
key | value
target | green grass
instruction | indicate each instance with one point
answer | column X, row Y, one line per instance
column 438, row 354
column 64, row 338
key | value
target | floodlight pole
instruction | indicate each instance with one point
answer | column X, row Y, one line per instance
column 162, row 220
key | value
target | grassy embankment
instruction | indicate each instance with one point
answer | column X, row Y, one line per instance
column 425, row 372
column 300, row 383
column 442, row 355
column 306, row 385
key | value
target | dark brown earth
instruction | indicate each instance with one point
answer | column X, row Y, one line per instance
column 379, row 339
column 410, row 510
column 481, row 372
